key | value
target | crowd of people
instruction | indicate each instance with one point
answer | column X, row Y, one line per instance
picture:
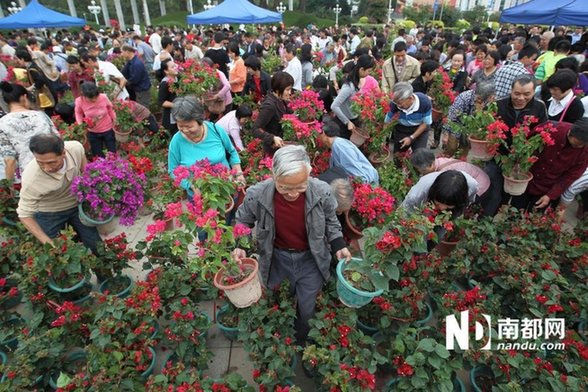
column 526, row 71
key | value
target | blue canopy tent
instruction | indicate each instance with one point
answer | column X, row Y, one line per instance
column 34, row 15
column 548, row 12
column 235, row 11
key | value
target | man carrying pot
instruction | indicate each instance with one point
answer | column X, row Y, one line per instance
column 46, row 202
column 512, row 110
column 296, row 230
column 415, row 118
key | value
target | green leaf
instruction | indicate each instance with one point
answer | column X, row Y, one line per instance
column 118, row 355
column 441, row 351
column 435, row 362
column 63, row 380
column 427, row 345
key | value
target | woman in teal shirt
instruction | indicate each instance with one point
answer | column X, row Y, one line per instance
column 198, row 139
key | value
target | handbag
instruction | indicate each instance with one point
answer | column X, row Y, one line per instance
column 42, row 97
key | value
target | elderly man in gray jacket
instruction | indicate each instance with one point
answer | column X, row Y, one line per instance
column 296, row 230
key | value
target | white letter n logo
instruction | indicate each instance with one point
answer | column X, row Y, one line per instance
column 456, row 331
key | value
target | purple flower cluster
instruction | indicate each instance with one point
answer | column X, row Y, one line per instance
column 110, row 186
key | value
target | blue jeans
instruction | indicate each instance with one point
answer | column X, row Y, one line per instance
column 53, row 222
column 306, row 282
column 101, row 141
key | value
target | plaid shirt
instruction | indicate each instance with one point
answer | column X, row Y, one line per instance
column 464, row 104
column 505, row 76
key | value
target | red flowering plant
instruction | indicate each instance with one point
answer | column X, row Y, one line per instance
column 115, row 255
column 268, row 327
column 126, row 121
column 341, row 356
column 64, row 262
column 389, row 248
column 524, row 148
column 371, row 107
column 307, row 106
column 74, row 320
column 75, row 131
column 527, row 370
column 130, row 322
column 179, row 378
column 372, row 205
column 38, row 355
column 420, row 360
column 213, row 183
column 195, row 78
column 186, row 333
column 256, row 165
column 482, row 125
column 296, row 130
column 441, row 91
column 109, row 369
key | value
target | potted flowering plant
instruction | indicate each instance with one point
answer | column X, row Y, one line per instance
column 256, row 166
column 342, row 357
column 421, row 362
column 441, row 93
column 186, row 333
column 213, row 183
column 388, row 248
column 227, row 320
column 130, row 322
column 36, row 358
column 307, row 106
column 126, row 122
column 175, row 377
column 522, row 154
column 296, row 130
column 114, row 254
column 65, row 264
column 195, row 78
column 8, row 203
column 268, row 326
column 484, row 132
column 75, row 131
column 107, row 187
column 371, row 107
column 372, row 205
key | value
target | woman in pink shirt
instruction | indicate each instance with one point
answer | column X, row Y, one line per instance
column 96, row 111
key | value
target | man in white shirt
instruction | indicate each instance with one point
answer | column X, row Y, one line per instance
column 192, row 51
column 110, row 73
column 355, row 40
column 323, row 39
column 6, row 49
column 294, row 67
column 155, row 40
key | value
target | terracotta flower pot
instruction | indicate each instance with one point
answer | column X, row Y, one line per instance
column 379, row 158
column 350, row 229
column 246, row 292
column 479, row 150
column 437, row 115
column 359, row 136
column 516, row 187
column 121, row 137
column 444, row 248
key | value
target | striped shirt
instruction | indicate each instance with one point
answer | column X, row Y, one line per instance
column 577, row 187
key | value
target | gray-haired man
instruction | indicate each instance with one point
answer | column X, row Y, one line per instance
column 296, row 230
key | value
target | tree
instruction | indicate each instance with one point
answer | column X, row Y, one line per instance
column 476, row 15
column 450, row 16
column 420, row 15
column 375, row 10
